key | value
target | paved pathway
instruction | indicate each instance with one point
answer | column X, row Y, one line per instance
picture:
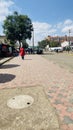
column 37, row 71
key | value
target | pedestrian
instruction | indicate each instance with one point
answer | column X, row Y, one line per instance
column 22, row 52
column 57, row 50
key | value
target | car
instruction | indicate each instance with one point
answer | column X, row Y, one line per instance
column 39, row 51
column 34, row 51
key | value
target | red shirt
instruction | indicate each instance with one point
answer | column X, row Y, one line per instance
column 22, row 51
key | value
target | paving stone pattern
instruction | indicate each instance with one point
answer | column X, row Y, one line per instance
column 40, row 115
column 37, row 71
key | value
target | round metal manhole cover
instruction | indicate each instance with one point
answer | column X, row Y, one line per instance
column 20, row 101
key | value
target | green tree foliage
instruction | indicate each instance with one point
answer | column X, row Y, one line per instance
column 17, row 27
column 43, row 43
column 25, row 44
column 54, row 44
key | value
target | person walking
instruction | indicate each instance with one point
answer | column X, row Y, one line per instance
column 22, row 52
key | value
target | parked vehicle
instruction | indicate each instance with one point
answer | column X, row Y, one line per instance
column 5, row 50
column 39, row 51
column 34, row 51
column 56, row 49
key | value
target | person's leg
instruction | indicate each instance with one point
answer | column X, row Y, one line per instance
column 23, row 57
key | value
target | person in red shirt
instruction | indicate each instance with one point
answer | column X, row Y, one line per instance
column 22, row 52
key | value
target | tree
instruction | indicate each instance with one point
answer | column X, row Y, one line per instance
column 25, row 44
column 17, row 27
column 43, row 43
column 54, row 44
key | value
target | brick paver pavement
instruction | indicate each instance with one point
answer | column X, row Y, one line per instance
column 37, row 71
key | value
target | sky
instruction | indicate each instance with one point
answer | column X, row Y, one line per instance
column 49, row 17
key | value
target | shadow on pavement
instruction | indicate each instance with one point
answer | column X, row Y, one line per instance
column 6, row 78
column 8, row 66
column 27, row 59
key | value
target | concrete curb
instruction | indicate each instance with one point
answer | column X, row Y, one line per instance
column 6, row 60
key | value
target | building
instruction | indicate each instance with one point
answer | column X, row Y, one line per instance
column 2, row 39
column 60, row 39
column 65, row 44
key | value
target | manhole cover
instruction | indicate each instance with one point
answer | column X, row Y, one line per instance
column 20, row 101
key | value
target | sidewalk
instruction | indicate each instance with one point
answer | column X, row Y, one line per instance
column 4, row 60
column 35, row 71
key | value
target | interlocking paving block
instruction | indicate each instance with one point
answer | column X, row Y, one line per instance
column 69, row 109
column 68, row 120
column 71, row 98
column 58, row 102
column 40, row 115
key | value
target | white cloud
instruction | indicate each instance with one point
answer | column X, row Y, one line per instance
column 68, row 22
column 40, row 26
column 42, row 30
column 68, row 25
column 4, row 8
column 52, row 31
column 59, row 25
column 67, row 28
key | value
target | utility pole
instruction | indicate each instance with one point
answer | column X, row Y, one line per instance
column 33, row 40
column 69, row 36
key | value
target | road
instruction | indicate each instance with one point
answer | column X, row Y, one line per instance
column 64, row 60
